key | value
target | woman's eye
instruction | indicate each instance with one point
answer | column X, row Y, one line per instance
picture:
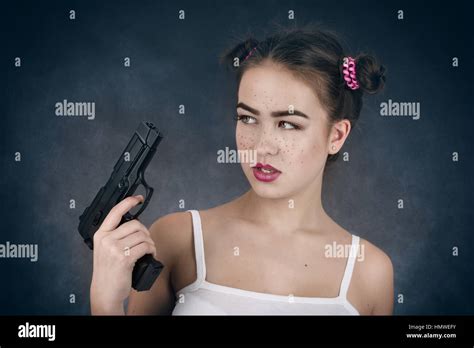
column 287, row 125
column 246, row 119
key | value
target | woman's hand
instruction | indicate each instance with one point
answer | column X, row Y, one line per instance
column 116, row 250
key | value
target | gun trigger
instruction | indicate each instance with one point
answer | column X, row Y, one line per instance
column 128, row 217
column 97, row 217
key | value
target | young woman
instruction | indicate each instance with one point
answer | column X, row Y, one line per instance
column 271, row 250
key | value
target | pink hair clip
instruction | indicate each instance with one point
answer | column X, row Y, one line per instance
column 349, row 71
column 250, row 53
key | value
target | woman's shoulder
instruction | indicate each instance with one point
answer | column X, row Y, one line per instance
column 375, row 273
column 377, row 262
column 174, row 239
column 172, row 235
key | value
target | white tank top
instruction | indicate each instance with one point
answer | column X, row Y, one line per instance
column 204, row 298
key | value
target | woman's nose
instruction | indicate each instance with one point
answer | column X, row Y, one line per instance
column 266, row 144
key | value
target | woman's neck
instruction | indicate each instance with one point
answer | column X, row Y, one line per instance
column 302, row 211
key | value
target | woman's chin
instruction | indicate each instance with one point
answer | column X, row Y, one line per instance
column 268, row 190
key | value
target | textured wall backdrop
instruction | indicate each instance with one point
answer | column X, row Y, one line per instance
column 48, row 57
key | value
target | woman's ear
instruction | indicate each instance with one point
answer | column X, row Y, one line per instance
column 338, row 134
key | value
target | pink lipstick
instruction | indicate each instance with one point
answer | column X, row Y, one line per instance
column 265, row 173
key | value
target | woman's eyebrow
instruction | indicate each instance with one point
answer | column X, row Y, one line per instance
column 274, row 113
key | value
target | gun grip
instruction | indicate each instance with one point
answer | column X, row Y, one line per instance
column 145, row 272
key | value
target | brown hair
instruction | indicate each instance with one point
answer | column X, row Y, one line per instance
column 315, row 56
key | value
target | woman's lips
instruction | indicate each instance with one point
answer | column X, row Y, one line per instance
column 265, row 173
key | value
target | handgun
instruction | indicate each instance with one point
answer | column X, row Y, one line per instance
column 127, row 176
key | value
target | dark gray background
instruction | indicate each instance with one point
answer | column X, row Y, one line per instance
column 175, row 62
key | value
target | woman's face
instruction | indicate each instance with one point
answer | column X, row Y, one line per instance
column 295, row 144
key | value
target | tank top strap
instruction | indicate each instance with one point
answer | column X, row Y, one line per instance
column 346, row 279
column 198, row 246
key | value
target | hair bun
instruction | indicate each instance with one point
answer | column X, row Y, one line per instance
column 370, row 74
